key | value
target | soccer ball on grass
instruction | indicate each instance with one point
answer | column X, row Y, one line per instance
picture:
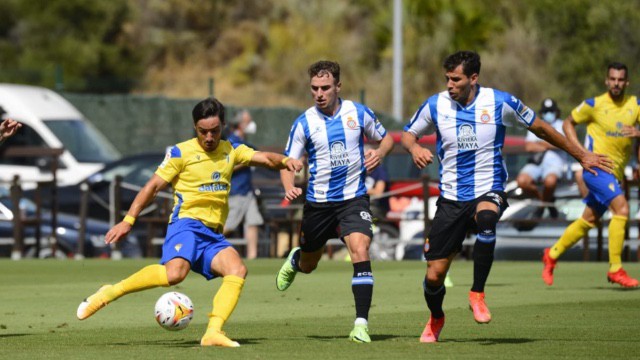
column 174, row 311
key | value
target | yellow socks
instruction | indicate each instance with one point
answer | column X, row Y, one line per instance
column 617, row 227
column 146, row 278
column 225, row 301
column 574, row 232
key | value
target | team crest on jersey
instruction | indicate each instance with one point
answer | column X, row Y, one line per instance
column 467, row 139
column 612, row 187
column 426, row 245
column 352, row 124
column 485, row 117
column 339, row 156
column 178, row 247
column 365, row 216
column 618, row 133
column 215, row 176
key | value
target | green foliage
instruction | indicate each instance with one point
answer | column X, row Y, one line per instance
column 87, row 39
column 258, row 50
column 583, row 36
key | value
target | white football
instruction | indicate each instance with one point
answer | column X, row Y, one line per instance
column 174, row 311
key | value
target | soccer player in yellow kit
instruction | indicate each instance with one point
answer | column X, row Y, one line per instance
column 611, row 119
column 199, row 171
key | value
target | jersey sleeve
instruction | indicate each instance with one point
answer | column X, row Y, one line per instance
column 297, row 140
column 515, row 112
column 242, row 154
column 422, row 121
column 584, row 112
column 373, row 129
column 171, row 165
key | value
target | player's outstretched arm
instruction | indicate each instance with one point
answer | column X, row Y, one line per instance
column 421, row 156
column 570, row 144
column 144, row 197
column 275, row 161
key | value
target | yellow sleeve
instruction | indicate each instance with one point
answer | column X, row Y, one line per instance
column 584, row 112
column 243, row 155
column 172, row 164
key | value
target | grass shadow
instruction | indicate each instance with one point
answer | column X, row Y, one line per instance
column 12, row 335
column 491, row 341
column 376, row 337
column 173, row 343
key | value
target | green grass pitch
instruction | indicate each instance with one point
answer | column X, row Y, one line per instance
column 580, row 317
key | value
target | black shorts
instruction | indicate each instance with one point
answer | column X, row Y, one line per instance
column 452, row 222
column 330, row 220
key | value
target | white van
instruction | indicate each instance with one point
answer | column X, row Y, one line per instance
column 48, row 120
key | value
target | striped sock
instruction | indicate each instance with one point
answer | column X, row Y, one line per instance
column 362, row 287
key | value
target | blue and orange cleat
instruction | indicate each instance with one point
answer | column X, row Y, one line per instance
column 549, row 265
column 621, row 277
column 431, row 332
column 480, row 311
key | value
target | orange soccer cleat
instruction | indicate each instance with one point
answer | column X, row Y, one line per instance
column 621, row 277
column 549, row 266
column 480, row 311
column 432, row 331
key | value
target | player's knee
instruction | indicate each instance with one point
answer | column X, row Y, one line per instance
column 360, row 254
column 176, row 274
column 435, row 278
column 487, row 220
column 239, row 270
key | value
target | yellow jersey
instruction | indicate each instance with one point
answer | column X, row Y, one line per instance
column 201, row 180
column 604, row 119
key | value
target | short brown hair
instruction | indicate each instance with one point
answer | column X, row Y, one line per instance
column 324, row 66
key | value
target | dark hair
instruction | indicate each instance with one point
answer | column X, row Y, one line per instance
column 618, row 66
column 470, row 61
column 207, row 108
column 323, row 67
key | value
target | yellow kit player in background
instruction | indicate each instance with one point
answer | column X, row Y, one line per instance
column 199, row 171
column 611, row 119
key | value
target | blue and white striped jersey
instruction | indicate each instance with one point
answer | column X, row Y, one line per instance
column 335, row 148
column 470, row 139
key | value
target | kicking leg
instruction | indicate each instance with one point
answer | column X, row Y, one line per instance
column 228, row 264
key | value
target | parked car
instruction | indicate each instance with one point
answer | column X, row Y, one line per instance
column 66, row 231
column 135, row 170
column 50, row 121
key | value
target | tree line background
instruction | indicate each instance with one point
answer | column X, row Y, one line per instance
column 257, row 51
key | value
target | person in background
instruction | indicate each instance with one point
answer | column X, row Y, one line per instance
column 611, row 120
column 546, row 164
column 243, row 206
column 8, row 128
column 377, row 183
